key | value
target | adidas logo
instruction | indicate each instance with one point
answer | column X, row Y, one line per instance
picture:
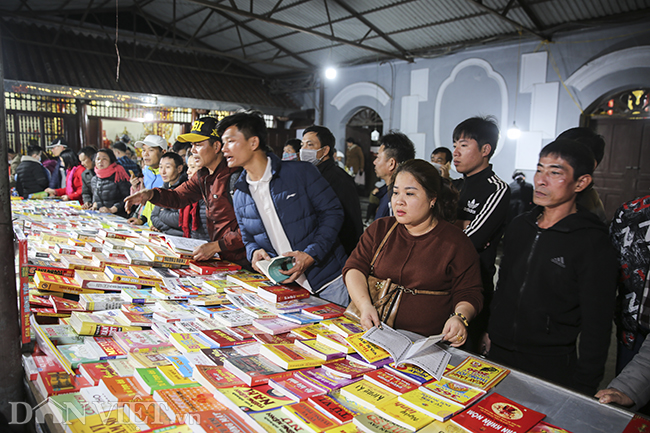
column 471, row 206
column 559, row 261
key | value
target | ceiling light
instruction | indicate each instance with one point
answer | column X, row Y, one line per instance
column 374, row 135
column 330, row 73
column 514, row 132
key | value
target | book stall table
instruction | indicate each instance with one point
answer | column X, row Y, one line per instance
column 120, row 314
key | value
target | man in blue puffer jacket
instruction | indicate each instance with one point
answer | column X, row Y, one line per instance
column 285, row 208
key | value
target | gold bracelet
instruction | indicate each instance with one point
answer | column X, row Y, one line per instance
column 461, row 317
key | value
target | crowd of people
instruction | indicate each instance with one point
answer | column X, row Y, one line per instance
column 549, row 312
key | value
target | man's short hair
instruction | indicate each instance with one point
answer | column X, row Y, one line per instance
column 352, row 140
column 178, row 160
column 397, row 146
column 295, row 143
column 482, row 129
column 89, row 151
column 325, row 137
column 579, row 156
column 250, row 123
column 447, row 152
column 595, row 142
column 34, row 149
column 119, row 146
column 179, row 145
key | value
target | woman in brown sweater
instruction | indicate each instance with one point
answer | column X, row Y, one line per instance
column 424, row 252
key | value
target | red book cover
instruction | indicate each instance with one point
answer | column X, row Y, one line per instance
column 213, row 266
column 389, row 381
column 223, row 339
column 495, row 413
column 327, row 311
column 637, row 424
column 96, row 371
column 347, row 369
column 23, row 285
column 281, row 293
column 544, row 427
column 218, row 422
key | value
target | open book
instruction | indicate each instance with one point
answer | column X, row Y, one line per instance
column 423, row 353
column 183, row 245
column 271, row 268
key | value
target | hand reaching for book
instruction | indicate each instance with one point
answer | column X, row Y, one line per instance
column 302, row 261
column 455, row 332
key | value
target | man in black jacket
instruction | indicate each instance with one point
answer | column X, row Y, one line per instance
column 482, row 205
column 557, row 279
column 318, row 147
column 31, row 176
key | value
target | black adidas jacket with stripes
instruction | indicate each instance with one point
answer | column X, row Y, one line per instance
column 555, row 284
column 484, row 200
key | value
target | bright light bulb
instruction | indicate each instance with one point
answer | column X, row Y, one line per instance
column 108, row 103
column 330, row 73
column 374, row 135
column 514, row 132
column 148, row 116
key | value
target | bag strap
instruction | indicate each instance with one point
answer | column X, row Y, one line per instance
column 381, row 245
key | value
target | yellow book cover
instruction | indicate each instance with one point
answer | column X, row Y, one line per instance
column 345, row 428
column 257, row 399
column 309, row 417
column 186, row 342
column 175, row 378
column 115, row 421
column 58, row 283
column 368, row 351
column 289, row 356
column 433, row 406
column 312, row 331
column 367, row 394
column 150, row 360
column 478, row 373
column 453, row 391
column 442, row 427
column 404, row 415
column 165, row 255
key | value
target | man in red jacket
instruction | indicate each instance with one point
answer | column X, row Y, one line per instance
column 212, row 184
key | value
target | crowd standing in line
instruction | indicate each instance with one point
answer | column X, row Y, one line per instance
column 551, row 310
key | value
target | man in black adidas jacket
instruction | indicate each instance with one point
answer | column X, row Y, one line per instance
column 557, row 279
column 482, row 206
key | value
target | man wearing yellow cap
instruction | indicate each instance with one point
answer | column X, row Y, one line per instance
column 210, row 183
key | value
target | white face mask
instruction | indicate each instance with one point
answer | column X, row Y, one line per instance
column 310, row 155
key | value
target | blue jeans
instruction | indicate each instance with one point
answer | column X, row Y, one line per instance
column 336, row 293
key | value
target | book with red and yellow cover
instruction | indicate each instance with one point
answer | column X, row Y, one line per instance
column 544, row 427
column 323, row 312
column 58, row 283
column 404, row 415
column 217, row 422
column 477, row 373
column 213, row 266
column 309, row 417
column 180, row 401
column 496, row 413
column 368, row 351
column 252, row 369
column 214, row 377
column 282, row 292
column 289, row 356
column 389, row 381
column 96, row 371
column 296, row 389
column 454, row 392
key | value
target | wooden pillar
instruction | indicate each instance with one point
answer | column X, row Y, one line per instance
column 11, row 372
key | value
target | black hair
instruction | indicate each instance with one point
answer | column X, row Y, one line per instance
column 34, row 149
column 119, row 146
column 397, row 146
column 109, row 152
column 595, row 142
column 11, row 150
column 179, row 145
column 482, row 129
column 295, row 143
column 352, row 140
column 434, row 187
column 89, row 151
column 325, row 137
column 178, row 160
column 579, row 156
column 251, row 123
column 69, row 158
column 447, row 152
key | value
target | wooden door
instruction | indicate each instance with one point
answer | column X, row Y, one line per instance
column 624, row 172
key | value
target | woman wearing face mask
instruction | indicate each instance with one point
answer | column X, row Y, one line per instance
column 291, row 150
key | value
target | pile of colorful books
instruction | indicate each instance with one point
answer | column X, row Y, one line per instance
column 131, row 332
